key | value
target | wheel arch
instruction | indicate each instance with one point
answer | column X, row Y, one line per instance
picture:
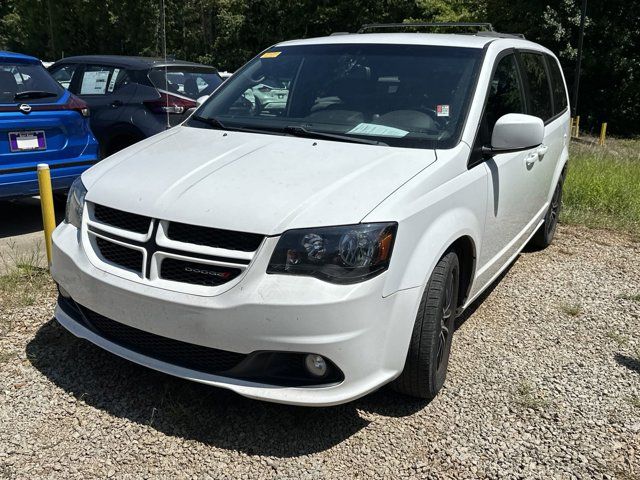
column 457, row 230
column 465, row 248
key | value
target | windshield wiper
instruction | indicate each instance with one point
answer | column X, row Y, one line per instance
column 211, row 121
column 299, row 131
column 217, row 124
column 33, row 94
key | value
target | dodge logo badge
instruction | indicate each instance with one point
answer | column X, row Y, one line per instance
column 207, row 272
column 24, row 108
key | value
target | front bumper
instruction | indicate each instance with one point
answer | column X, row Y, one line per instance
column 365, row 334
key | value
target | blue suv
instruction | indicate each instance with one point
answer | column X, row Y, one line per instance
column 40, row 122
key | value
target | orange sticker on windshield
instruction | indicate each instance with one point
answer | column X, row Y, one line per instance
column 270, row 54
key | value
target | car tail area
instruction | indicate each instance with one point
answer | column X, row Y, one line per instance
column 55, row 133
column 177, row 89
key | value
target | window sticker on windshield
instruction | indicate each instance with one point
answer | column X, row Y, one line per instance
column 442, row 110
column 94, row 83
column 114, row 76
column 270, row 54
column 378, row 130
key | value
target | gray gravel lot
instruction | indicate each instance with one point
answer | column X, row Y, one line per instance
column 544, row 382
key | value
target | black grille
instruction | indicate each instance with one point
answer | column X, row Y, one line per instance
column 214, row 237
column 122, row 256
column 120, row 219
column 176, row 352
column 196, row 273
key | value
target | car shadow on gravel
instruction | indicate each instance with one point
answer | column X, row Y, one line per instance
column 631, row 363
column 190, row 410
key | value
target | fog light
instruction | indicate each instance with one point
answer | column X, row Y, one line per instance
column 316, row 365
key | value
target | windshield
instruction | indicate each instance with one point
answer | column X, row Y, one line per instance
column 193, row 82
column 402, row 95
column 20, row 82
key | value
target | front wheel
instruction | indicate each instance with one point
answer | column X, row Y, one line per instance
column 425, row 368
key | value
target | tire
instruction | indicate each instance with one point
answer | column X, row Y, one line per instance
column 425, row 368
column 544, row 236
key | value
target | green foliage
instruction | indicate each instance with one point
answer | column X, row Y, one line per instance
column 603, row 186
column 226, row 33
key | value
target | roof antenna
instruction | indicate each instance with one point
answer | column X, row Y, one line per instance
column 164, row 54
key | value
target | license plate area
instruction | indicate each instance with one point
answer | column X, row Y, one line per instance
column 27, row 141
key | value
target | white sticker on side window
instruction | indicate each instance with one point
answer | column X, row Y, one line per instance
column 112, row 82
column 377, row 130
column 94, row 83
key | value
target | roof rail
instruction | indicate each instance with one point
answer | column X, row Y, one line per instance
column 500, row 35
column 487, row 27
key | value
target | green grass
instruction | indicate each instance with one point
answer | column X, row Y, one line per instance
column 527, row 397
column 617, row 337
column 602, row 189
column 24, row 282
column 635, row 297
column 571, row 310
column 22, row 285
column 634, row 400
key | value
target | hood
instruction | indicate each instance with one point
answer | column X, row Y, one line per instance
column 251, row 182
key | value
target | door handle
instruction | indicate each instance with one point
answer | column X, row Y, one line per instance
column 542, row 149
column 116, row 104
column 531, row 159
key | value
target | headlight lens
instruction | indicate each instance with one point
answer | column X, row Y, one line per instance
column 345, row 254
column 75, row 203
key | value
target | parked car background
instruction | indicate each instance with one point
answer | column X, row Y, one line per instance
column 40, row 122
column 132, row 98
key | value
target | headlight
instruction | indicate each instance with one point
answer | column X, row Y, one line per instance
column 345, row 254
column 75, row 203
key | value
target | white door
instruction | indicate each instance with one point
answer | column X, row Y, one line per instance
column 540, row 104
column 514, row 178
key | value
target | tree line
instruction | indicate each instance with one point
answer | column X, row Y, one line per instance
column 227, row 33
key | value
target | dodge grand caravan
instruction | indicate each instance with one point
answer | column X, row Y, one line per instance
column 311, row 248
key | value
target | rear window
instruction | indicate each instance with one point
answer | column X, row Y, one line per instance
column 192, row 82
column 557, row 86
column 20, row 82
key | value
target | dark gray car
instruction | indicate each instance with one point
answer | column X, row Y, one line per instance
column 132, row 98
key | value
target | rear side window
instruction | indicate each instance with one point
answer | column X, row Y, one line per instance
column 102, row 80
column 505, row 95
column 557, row 86
column 64, row 74
column 192, row 82
column 538, row 85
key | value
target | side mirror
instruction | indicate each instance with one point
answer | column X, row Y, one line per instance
column 515, row 132
column 202, row 99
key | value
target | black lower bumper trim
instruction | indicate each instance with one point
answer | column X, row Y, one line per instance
column 284, row 369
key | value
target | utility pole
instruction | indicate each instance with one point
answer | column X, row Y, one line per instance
column 53, row 43
column 576, row 80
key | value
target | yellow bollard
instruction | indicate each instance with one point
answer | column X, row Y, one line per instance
column 46, row 203
column 571, row 121
column 603, row 134
column 577, row 127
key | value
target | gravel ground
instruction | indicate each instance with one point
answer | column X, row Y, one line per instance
column 544, row 382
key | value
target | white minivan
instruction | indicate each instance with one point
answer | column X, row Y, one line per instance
column 312, row 231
